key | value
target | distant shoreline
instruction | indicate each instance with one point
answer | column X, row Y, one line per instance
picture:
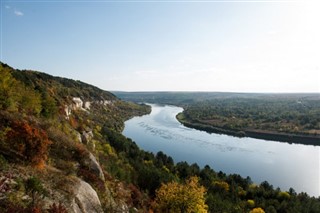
column 258, row 134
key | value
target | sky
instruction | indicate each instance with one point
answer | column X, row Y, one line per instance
column 226, row 46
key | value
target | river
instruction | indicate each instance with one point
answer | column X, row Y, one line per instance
column 281, row 164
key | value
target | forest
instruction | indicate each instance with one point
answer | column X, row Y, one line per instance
column 44, row 154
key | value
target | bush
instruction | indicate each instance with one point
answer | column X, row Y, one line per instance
column 34, row 188
column 54, row 208
column 28, row 142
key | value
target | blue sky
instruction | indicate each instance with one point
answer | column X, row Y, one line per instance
column 235, row 46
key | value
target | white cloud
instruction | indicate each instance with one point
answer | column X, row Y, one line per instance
column 18, row 13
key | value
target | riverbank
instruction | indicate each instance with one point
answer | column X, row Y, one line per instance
column 258, row 134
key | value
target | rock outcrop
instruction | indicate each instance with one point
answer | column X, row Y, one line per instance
column 86, row 136
column 77, row 103
column 67, row 110
column 86, row 199
column 94, row 166
column 87, row 105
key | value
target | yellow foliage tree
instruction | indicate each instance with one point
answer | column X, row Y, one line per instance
column 257, row 210
column 251, row 203
column 221, row 185
column 176, row 197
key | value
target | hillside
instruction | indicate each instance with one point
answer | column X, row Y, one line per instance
column 61, row 150
column 50, row 132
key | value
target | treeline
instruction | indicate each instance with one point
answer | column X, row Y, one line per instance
column 187, row 98
column 253, row 116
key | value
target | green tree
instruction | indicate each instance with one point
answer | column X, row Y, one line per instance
column 14, row 95
column 7, row 92
column 49, row 106
column 30, row 100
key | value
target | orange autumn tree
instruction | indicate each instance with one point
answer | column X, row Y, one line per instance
column 176, row 197
column 28, row 142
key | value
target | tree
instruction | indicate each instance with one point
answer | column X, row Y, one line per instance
column 30, row 100
column 7, row 85
column 14, row 95
column 176, row 197
column 257, row 210
column 221, row 186
column 49, row 106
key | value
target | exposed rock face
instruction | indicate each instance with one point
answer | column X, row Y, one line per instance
column 87, row 105
column 87, row 136
column 86, row 199
column 67, row 110
column 106, row 102
column 94, row 166
column 77, row 103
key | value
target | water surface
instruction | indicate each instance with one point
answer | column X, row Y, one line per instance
column 281, row 164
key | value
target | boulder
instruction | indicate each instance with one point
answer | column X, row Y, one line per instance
column 86, row 199
column 94, row 166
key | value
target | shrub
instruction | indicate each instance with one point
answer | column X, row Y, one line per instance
column 54, row 208
column 34, row 188
column 29, row 142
